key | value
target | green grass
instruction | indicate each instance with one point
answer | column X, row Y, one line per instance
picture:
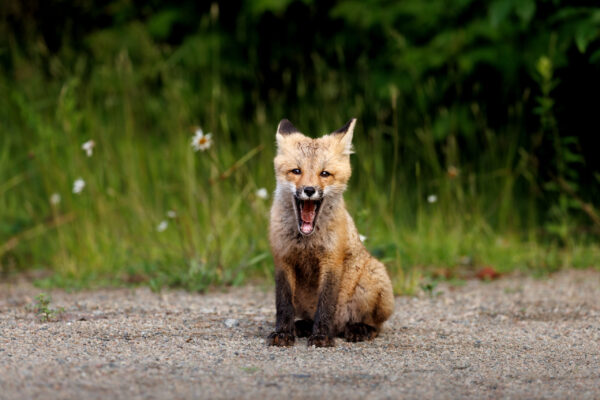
column 143, row 166
column 41, row 308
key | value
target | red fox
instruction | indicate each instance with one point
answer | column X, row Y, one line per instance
column 324, row 276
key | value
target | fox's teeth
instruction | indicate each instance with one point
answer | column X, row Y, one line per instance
column 307, row 211
column 306, row 227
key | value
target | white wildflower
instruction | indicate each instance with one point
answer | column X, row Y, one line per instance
column 171, row 214
column 78, row 185
column 88, row 147
column 200, row 141
column 362, row 237
column 432, row 198
column 55, row 199
column 162, row 226
column 262, row 193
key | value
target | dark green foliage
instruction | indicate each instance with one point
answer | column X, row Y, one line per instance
column 491, row 106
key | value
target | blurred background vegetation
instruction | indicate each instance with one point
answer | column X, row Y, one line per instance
column 476, row 146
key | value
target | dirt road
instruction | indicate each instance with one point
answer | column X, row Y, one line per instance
column 513, row 338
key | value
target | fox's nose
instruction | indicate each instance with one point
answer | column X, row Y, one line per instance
column 309, row 190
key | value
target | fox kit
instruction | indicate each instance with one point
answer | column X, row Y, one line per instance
column 324, row 276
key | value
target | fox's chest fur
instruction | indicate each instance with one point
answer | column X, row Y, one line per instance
column 323, row 273
column 335, row 245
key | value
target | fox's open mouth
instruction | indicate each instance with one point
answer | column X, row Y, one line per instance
column 307, row 212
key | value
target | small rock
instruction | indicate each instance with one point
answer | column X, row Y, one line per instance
column 461, row 365
column 301, row 376
column 231, row 322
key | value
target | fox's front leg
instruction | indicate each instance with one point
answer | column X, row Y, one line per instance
column 322, row 335
column 284, row 323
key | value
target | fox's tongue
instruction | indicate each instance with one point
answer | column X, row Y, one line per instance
column 307, row 213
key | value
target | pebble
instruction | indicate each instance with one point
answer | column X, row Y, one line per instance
column 231, row 322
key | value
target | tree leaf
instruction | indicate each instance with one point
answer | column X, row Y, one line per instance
column 498, row 11
column 584, row 35
column 525, row 9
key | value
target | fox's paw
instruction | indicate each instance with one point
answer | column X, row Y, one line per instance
column 304, row 327
column 359, row 332
column 280, row 339
column 321, row 341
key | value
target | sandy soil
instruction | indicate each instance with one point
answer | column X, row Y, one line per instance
column 513, row 338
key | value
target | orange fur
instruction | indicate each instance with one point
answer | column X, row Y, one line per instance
column 332, row 257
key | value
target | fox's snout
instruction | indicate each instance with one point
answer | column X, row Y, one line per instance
column 309, row 190
column 309, row 193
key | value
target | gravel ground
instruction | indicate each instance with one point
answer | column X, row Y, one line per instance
column 513, row 338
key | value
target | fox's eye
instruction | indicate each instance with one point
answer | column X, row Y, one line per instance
column 296, row 171
column 325, row 174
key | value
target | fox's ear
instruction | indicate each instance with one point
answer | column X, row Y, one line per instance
column 284, row 128
column 345, row 134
